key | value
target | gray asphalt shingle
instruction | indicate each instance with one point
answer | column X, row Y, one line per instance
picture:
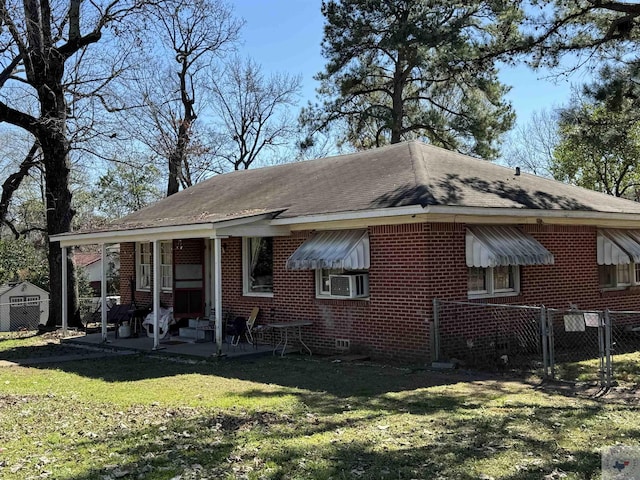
column 409, row 173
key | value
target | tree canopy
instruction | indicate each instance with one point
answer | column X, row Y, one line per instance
column 414, row 69
column 589, row 29
column 599, row 141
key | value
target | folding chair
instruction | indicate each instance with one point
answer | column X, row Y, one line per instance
column 244, row 327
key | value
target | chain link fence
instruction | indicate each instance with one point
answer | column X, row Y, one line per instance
column 480, row 335
column 577, row 346
column 624, row 339
column 91, row 308
column 23, row 313
column 591, row 347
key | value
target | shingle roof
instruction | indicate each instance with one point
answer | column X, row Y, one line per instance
column 408, row 173
column 86, row 259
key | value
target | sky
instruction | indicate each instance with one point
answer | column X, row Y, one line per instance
column 285, row 36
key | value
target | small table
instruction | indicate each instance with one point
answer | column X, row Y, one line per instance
column 284, row 329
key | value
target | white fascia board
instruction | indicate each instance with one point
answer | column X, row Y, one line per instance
column 454, row 214
column 175, row 232
column 559, row 215
column 262, row 230
column 253, row 219
column 353, row 215
column 136, row 235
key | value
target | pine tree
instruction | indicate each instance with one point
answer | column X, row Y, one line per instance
column 403, row 69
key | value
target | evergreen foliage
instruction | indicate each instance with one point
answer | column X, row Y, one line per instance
column 599, row 145
column 406, row 69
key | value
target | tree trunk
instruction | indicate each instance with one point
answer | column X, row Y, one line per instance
column 175, row 162
column 59, row 216
column 52, row 135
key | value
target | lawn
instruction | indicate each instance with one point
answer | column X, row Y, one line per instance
column 149, row 417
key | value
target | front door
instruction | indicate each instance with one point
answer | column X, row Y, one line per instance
column 188, row 278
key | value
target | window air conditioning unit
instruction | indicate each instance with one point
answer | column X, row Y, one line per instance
column 349, row 286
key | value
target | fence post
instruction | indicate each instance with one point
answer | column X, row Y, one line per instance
column 545, row 339
column 601, row 347
column 436, row 330
column 607, row 348
column 550, row 337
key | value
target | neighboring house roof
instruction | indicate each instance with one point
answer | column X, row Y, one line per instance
column 86, row 259
column 406, row 174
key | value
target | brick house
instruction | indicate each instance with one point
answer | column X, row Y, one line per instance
column 361, row 244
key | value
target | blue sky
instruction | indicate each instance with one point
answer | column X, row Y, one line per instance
column 285, row 36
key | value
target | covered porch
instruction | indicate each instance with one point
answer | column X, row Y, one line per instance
column 203, row 289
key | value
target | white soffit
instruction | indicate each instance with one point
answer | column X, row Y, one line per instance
column 618, row 247
column 338, row 249
column 492, row 246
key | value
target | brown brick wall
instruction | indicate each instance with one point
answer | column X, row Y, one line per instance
column 410, row 265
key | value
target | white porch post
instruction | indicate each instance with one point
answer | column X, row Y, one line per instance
column 156, row 294
column 103, row 292
column 217, row 295
column 65, row 307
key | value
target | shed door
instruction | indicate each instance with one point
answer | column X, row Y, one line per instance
column 24, row 313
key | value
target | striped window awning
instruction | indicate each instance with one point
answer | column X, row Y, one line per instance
column 335, row 249
column 618, row 247
column 493, row 246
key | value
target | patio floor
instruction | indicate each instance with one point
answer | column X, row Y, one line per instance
column 169, row 345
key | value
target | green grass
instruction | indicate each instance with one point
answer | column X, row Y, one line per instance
column 626, row 370
column 141, row 417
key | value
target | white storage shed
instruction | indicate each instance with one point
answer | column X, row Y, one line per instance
column 23, row 306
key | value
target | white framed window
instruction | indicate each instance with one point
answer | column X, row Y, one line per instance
column 143, row 266
column 16, row 301
column 493, row 281
column 257, row 268
column 619, row 276
column 144, row 271
column 347, row 285
column 322, row 281
column 32, row 301
column 166, row 265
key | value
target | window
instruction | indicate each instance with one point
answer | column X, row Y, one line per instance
column 614, row 276
column 166, row 265
column 32, row 301
column 351, row 284
column 493, row 281
column 16, row 301
column 322, row 281
column 258, row 266
column 144, row 272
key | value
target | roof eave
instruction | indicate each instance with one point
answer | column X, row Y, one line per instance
column 222, row 228
column 480, row 214
column 348, row 219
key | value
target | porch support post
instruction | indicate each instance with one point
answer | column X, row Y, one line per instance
column 103, row 291
column 156, row 294
column 217, row 294
column 65, row 307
